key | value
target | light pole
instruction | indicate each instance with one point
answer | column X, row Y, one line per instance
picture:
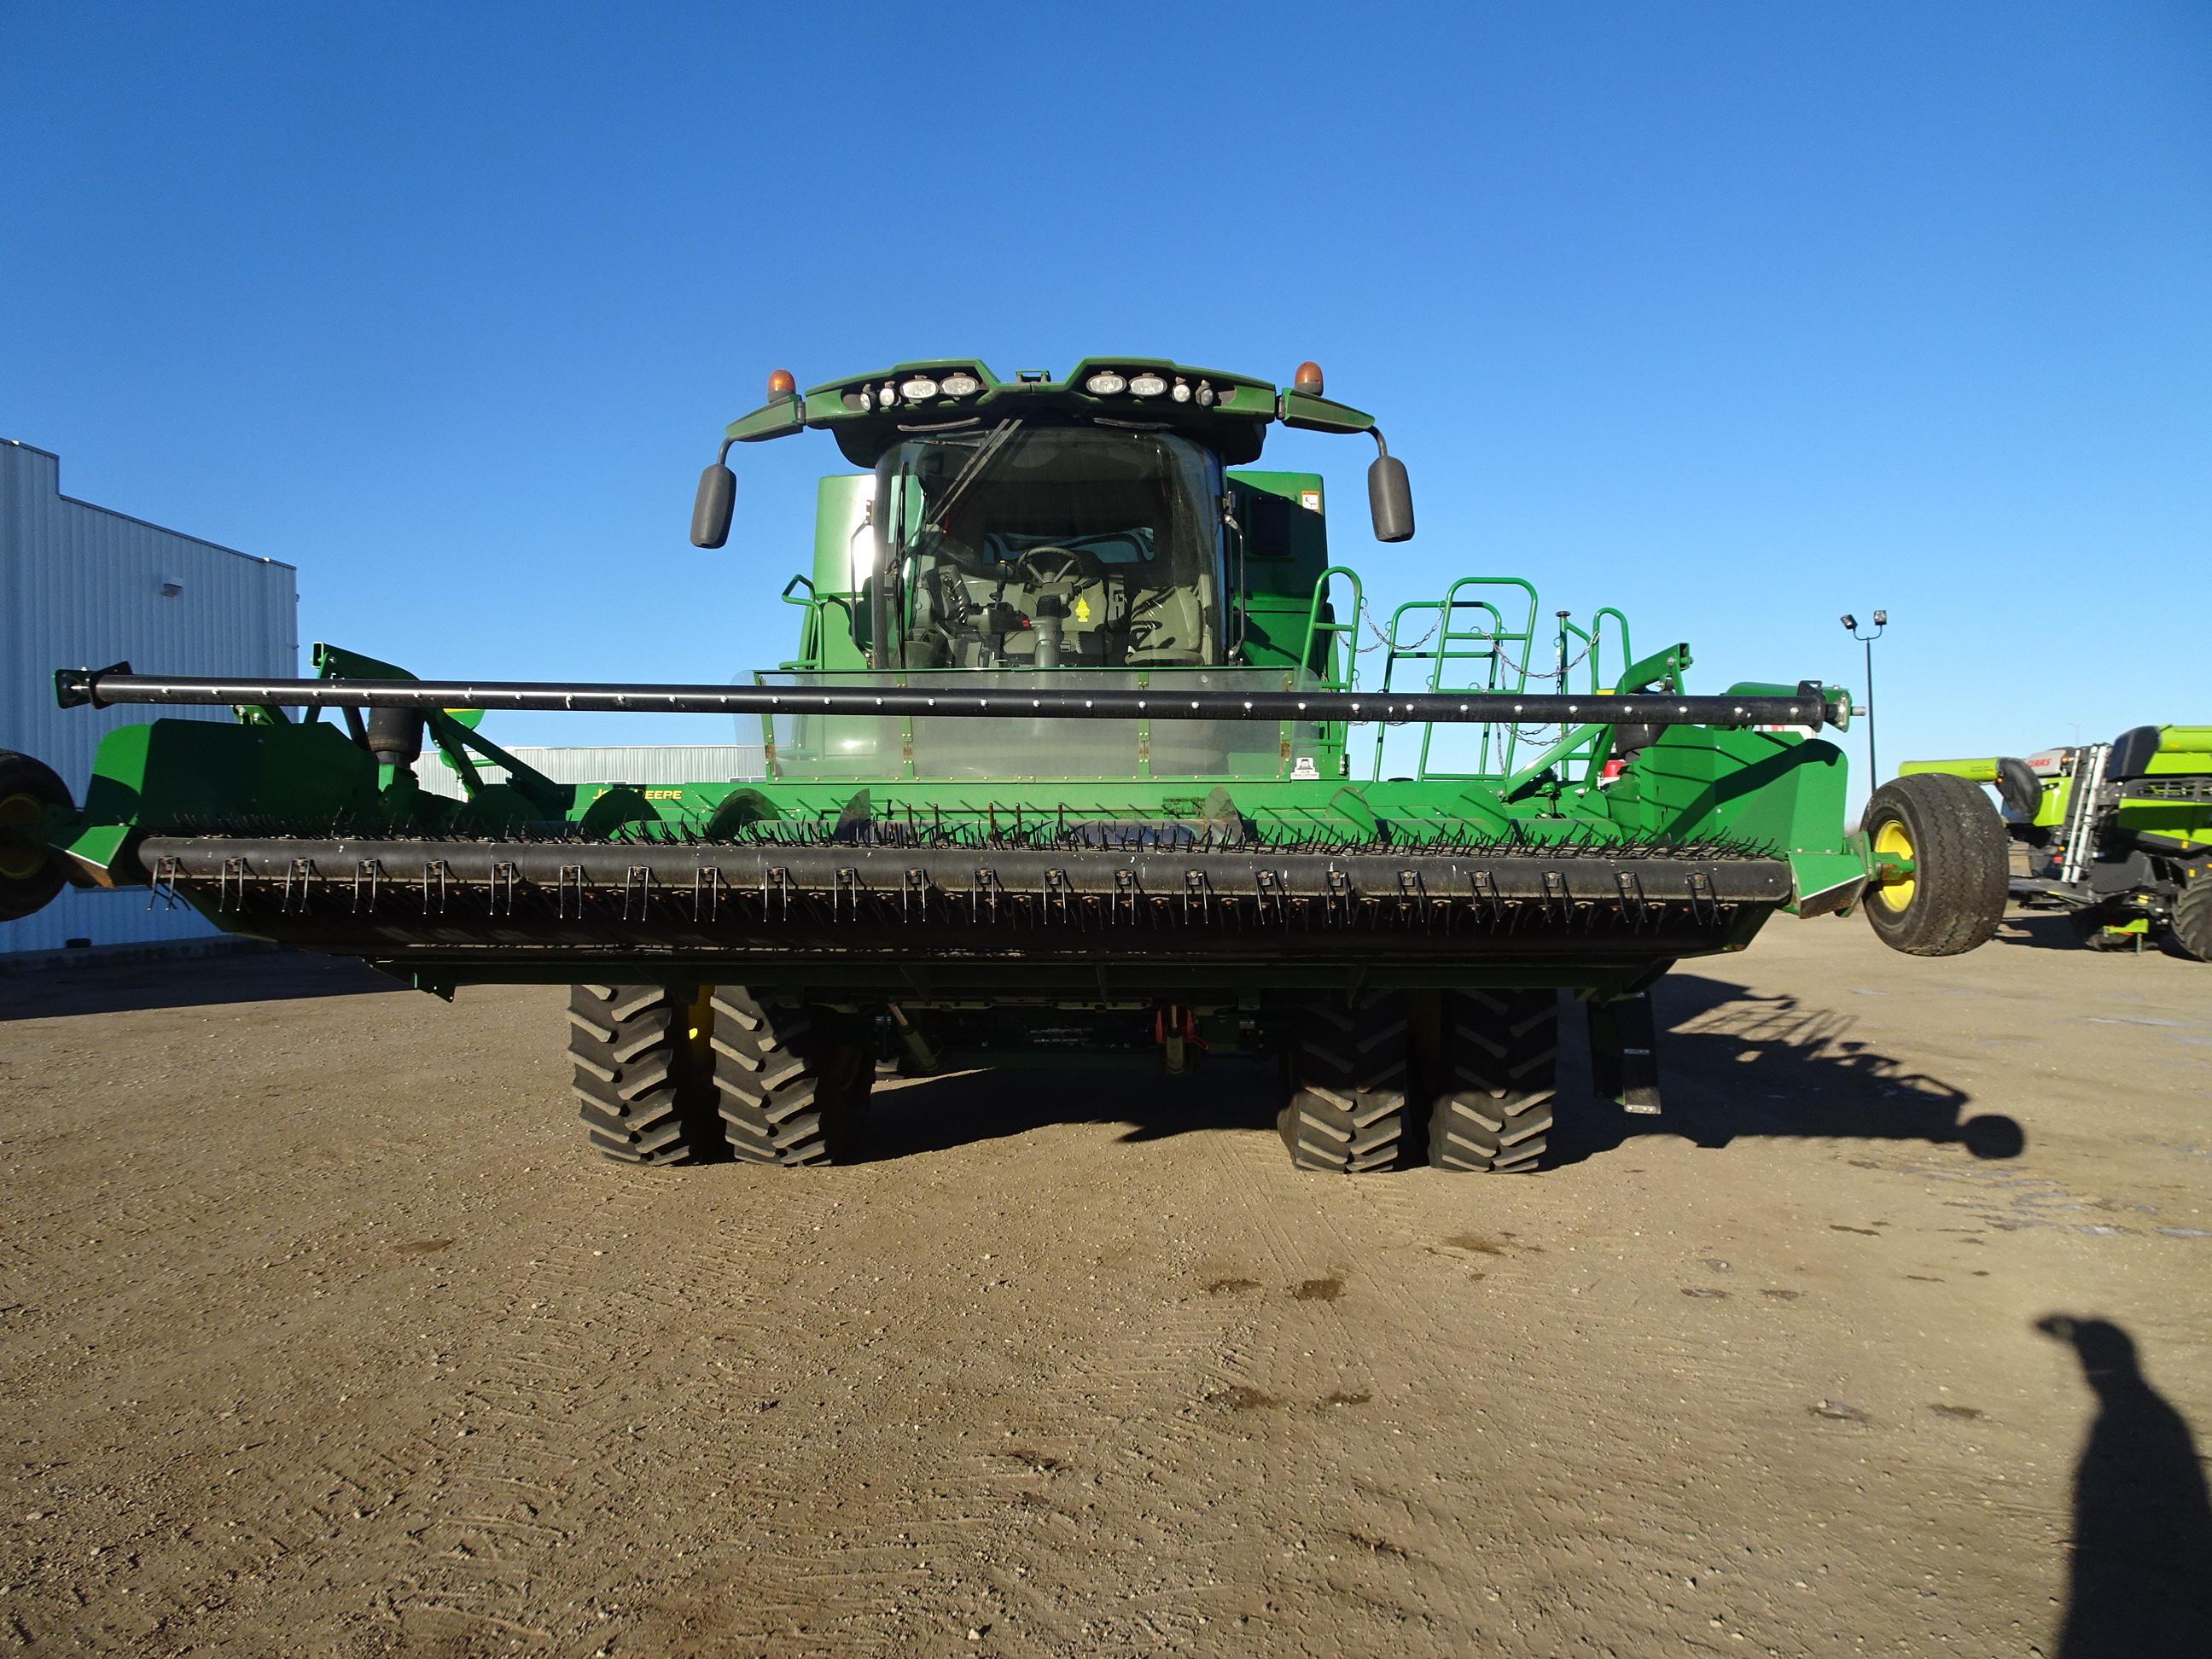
column 1880, row 622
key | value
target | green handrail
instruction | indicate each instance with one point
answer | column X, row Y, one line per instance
column 1597, row 635
column 1317, row 630
column 1491, row 645
column 810, row 629
column 1593, row 659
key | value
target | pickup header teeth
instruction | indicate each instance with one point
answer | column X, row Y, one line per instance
column 555, row 899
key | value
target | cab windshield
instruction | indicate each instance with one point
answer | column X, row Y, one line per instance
column 1021, row 546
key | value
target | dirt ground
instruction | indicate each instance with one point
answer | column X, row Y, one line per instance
column 320, row 1334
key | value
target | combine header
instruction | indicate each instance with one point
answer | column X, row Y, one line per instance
column 1072, row 767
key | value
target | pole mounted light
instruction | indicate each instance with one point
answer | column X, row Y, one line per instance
column 1851, row 627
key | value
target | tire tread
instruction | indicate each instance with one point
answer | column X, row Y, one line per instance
column 1346, row 1110
column 2192, row 918
column 641, row 1094
column 790, row 1091
column 1501, row 1062
column 1961, row 858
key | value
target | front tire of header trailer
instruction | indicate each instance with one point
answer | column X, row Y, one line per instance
column 30, row 872
column 641, row 1077
column 1954, row 896
column 1346, row 1111
column 1501, row 1059
column 793, row 1089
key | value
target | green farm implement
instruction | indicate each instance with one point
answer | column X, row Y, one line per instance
column 2118, row 835
column 1073, row 766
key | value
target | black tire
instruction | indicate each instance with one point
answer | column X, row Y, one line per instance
column 1955, row 896
column 640, row 1074
column 793, row 1089
column 1501, row 1069
column 2192, row 918
column 31, row 872
column 1347, row 1078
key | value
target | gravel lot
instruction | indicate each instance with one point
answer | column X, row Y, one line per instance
column 321, row 1334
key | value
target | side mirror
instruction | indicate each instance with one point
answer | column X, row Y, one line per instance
column 1390, row 499
column 710, row 510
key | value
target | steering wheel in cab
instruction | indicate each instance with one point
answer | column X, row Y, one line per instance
column 1046, row 567
column 1053, row 573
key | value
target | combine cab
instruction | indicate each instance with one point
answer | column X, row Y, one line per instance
column 1073, row 766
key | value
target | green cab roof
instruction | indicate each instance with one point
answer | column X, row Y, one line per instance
column 868, row 413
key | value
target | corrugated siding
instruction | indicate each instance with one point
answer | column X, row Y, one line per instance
column 81, row 586
column 664, row 763
column 102, row 917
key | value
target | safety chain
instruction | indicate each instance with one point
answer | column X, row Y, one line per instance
column 1383, row 640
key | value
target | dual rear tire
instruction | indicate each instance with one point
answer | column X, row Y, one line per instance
column 788, row 1089
column 1502, row 1057
column 663, row 1078
column 1460, row 1080
column 1347, row 1086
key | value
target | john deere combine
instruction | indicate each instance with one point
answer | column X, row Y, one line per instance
column 1072, row 767
column 2117, row 835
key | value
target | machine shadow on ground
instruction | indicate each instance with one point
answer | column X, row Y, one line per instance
column 2050, row 930
column 2039, row 930
column 932, row 1114
column 2140, row 1568
column 272, row 975
column 1733, row 1063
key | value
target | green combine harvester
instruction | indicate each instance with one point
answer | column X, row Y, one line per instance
column 1072, row 767
column 2118, row 835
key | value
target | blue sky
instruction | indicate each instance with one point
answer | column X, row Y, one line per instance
column 1736, row 317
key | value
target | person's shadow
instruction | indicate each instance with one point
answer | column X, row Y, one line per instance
column 2140, row 1581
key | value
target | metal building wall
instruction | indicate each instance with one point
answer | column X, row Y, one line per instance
column 654, row 765
column 81, row 586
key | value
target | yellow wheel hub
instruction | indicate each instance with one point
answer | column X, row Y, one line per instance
column 21, row 857
column 1891, row 841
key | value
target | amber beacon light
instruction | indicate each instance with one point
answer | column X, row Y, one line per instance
column 1308, row 380
column 779, row 383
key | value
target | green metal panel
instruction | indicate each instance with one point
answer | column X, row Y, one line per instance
column 1320, row 415
column 176, row 775
column 1285, row 518
column 1285, row 547
column 1974, row 771
column 776, row 419
column 1766, row 788
column 2182, row 749
column 844, row 551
